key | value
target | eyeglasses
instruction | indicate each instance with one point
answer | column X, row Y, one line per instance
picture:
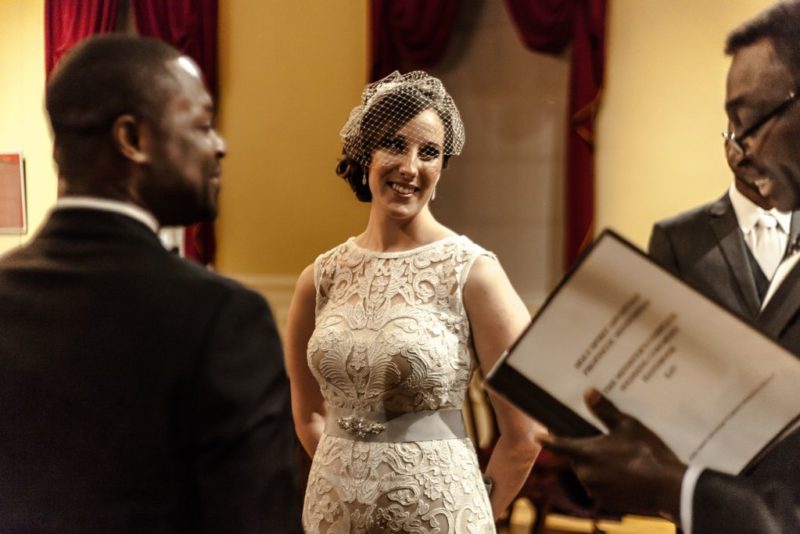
column 737, row 140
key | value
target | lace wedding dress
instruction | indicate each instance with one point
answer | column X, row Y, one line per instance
column 392, row 337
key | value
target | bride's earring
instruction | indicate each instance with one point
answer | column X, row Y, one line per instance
column 435, row 185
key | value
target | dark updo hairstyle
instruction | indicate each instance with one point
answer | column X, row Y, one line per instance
column 385, row 114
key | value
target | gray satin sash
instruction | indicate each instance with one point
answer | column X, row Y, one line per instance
column 380, row 427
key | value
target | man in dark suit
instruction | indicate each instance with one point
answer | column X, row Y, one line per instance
column 139, row 392
column 713, row 247
column 630, row 469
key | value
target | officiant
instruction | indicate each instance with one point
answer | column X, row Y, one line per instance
column 630, row 469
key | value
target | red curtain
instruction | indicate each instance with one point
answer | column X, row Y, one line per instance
column 188, row 25
column 68, row 21
column 409, row 33
column 191, row 27
column 549, row 26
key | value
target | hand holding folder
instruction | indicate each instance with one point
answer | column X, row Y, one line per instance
column 607, row 463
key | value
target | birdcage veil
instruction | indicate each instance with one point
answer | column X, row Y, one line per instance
column 389, row 103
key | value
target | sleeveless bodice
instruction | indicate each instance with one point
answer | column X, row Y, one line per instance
column 391, row 332
column 391, row 335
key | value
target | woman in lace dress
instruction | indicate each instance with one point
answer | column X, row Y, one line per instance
column 385, row 330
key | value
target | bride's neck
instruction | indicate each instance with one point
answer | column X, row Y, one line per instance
column 388, row 235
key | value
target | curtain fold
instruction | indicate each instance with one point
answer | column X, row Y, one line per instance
column 550, row 26
column 408, row 34
column 191, row 27
column 68, row 21
column 543, row 25
column 188, row 25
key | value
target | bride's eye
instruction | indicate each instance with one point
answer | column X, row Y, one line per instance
column 394, row 144
column 429, row 152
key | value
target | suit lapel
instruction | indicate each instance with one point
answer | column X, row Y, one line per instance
column 794, row 229
column 784, row 304
column 726, row 228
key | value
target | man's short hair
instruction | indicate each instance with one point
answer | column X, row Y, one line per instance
column 780, row 24
column 99, row 80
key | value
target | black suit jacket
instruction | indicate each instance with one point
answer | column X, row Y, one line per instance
column 706, row 249
column 138, row 392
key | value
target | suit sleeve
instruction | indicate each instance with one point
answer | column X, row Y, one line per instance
column 244, row 464
column 660, row 249
column 724, row 503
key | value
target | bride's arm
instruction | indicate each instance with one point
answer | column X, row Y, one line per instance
column 307, row 402
column 497, row 317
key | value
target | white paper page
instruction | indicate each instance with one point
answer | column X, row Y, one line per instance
column 712, row 387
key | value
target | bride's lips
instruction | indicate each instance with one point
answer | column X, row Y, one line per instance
column 403, row 190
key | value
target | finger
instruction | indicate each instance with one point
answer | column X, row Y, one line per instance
column 572, row 447
column 604, row 409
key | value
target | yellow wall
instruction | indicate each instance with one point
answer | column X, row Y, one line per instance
column 659, row 147
column 23, row 125
column 290, row 73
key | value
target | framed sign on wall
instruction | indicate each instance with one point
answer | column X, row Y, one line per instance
column 13, row 218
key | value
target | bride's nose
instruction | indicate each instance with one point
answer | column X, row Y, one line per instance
column 409, row 163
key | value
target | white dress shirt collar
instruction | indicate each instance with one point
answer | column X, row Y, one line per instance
column 688, row 485
column 747, row 212
column 103, row 204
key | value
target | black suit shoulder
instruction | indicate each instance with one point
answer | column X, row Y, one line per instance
column 168, row 376
column 687, row 223
column 687, row 218
column 241, row 413
column 678, row 242
column 204, row 288
column 237, row 403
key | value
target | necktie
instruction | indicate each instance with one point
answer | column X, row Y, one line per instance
column 767, row 244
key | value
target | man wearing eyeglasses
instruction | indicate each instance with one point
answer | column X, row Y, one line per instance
column 630, row 469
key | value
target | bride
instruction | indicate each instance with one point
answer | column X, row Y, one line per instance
column 385, row 330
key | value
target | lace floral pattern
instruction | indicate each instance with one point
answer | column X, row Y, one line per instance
column 392, row 335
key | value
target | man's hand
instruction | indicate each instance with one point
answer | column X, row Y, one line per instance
column 628, row 470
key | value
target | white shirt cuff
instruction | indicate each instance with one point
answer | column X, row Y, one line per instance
column 687, row 496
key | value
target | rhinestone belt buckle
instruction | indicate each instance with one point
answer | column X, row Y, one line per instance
column 359, row 426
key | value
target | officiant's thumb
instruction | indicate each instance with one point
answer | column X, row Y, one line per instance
column 603, row 408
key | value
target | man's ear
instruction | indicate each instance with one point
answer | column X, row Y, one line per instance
column 128, row 134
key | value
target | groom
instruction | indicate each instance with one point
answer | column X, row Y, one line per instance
column 139, row 392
